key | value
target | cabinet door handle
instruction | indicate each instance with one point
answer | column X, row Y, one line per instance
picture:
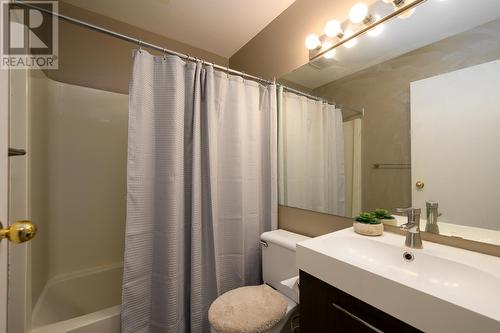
column 341, row 309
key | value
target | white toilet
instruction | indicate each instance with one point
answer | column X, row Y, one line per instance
column 242, row 310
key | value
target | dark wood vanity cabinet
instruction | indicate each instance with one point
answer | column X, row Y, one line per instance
column 324, row 308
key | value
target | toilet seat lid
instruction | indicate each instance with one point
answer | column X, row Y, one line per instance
column 251, row 309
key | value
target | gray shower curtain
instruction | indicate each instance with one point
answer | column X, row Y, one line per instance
column 201, row 188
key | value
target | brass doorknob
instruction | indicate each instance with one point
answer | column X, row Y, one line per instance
column 19, row 232
column 419, row 184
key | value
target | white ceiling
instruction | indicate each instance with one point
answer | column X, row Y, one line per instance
column 218, row 26
column 433, row 21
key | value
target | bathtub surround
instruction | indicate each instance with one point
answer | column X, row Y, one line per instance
column 85, row 292
column 201, row 189
column 73, row 184
column 64, row 157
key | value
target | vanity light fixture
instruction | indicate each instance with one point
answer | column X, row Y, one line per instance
column 330, row 54
column 378, row 29
column 401, row 3
column 408, row 13
column 359, row 13
column 334, row 29
column 313, row 42
column 352, row 42
column 373, row 25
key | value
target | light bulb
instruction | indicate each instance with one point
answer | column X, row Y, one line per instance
column 333, row 28
column 378, row 29
column 407, row 13
column 330, row 54
column 313, row 42
column 352, row 42
column 358, row 13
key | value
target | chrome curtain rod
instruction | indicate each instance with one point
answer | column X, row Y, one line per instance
column 141, row 43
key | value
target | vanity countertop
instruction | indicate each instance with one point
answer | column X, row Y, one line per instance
column 443, row 289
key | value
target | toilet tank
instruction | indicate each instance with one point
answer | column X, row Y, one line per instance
column 278, row 259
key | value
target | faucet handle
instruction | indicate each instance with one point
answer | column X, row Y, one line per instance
column 413, row 215
column 412, row 227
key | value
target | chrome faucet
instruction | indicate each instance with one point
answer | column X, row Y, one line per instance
column 412, row 227
column 432, row 217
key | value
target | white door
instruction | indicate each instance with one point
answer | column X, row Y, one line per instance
column 14, row 304
column 4, row 141
column 455, row 140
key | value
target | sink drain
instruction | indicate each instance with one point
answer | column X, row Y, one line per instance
column 407, row 256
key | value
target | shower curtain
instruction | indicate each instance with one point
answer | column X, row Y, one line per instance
column 201, row 189
column 311, row 158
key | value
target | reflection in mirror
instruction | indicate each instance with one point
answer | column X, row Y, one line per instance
column 429, row 88
column 311, row 167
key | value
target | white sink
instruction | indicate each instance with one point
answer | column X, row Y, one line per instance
column 443, row 289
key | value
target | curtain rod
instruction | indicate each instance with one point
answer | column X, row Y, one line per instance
column 298, row 92
column 164, row 50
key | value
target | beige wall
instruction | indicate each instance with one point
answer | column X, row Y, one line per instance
column 91, row 59
column 384, row 91
column 78, row 178
column 279, row 47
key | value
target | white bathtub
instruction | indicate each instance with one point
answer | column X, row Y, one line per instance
column 82, row 302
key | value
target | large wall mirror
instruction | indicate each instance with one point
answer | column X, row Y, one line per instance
column 414, row 116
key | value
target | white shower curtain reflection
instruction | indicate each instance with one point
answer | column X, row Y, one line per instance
column 311, row 157
column 201, row 189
